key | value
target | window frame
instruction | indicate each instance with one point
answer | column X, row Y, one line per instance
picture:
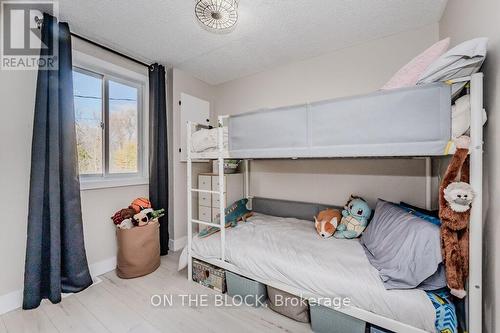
column 107, row 71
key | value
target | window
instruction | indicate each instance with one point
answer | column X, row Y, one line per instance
column 108, row 116
column 89, row 122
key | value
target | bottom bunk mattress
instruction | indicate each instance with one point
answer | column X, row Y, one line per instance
column 289, row 251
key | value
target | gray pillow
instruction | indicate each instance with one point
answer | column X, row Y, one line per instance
column 405, row 249
column 462, row 60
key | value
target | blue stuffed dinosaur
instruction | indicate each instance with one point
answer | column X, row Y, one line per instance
column 238, row 211
column 354, row 218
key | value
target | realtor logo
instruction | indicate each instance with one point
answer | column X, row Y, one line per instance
column 20, row 35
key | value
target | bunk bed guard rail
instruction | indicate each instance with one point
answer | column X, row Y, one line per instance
column 403, row 122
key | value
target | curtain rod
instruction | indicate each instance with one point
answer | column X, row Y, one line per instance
column 109, row 49
column 39, row 22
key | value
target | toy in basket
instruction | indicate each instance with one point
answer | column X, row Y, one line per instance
column 138, row 214
column 209, row 276
column 138, row 239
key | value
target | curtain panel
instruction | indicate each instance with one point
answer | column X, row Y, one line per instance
column 56, row 261
column 158, row 149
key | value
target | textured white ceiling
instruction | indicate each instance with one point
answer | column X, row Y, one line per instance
column 269, row 32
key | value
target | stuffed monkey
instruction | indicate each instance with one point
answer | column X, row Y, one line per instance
column 454, row 211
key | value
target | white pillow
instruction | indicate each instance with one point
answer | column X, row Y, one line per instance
column 462, row 60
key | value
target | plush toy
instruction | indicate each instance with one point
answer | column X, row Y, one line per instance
column 139, row 204
column 354, row 218
column 454, row 211
column 143, row 217
column 327, row 221
column 238, row 211
column 156, row 214
column 122, row 214
column 126, row 224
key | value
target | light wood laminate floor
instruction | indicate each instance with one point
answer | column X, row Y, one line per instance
column 117, row 305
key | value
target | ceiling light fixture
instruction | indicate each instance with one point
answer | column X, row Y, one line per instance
column 218, row 16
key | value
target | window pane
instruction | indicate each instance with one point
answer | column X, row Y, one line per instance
column 123, row 128
column 88, row 117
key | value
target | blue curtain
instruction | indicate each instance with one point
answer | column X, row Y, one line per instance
column 158, row 149
column 56, row 261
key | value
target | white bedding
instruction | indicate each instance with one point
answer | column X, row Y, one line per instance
column 288, row 250
column 205, row 140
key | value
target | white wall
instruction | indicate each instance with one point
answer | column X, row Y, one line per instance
column 17, row 100
column 15, row 155
column 462, row 20
column 185, row 83
column 354, row 70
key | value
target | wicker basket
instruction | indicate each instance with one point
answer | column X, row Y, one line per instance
column 138, row 250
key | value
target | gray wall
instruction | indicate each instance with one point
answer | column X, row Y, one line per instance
column 462, row 20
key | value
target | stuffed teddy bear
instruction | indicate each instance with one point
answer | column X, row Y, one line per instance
column 454, row 211
column 354, row 218
column 122, row 214
column 327, row 221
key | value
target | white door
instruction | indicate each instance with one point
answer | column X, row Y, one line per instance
column 192, row 109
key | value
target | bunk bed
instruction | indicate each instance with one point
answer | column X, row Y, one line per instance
column 405, row 122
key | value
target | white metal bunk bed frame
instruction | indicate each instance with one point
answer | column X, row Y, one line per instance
column 474, row 296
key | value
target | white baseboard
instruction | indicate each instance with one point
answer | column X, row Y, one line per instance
column 102, row 267
column 11, row 301
column 14, row 299
column 177, row 244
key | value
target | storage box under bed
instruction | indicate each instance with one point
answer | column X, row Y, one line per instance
column 209, row 276
column 251, row 292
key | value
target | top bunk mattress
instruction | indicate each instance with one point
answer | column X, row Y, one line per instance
column 289, row 251
column 412, row 121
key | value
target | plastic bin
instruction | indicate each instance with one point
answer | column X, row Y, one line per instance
column 251, row 292
column 326, row 320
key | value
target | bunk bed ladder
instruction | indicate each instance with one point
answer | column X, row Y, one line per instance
column 220, row 192
column 222, row 195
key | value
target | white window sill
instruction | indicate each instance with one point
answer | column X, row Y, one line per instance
column 94, row 184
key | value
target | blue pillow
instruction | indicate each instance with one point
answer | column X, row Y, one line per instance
column 419, row 213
